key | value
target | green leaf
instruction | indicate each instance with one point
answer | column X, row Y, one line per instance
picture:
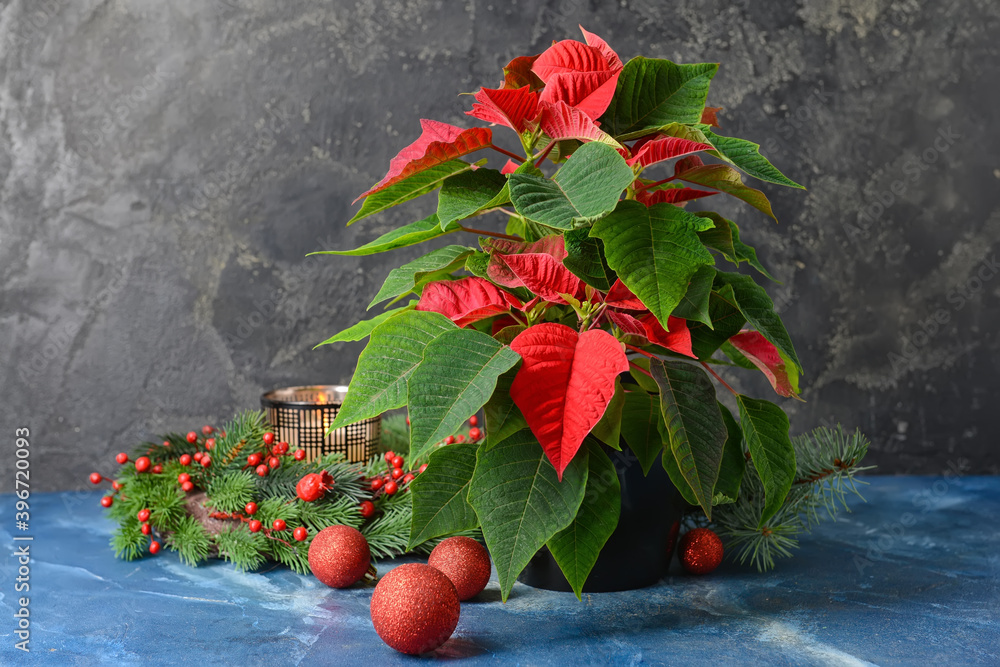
column 503, row 418
column 734, row 462
column 746, row 155
column 577, row 546
column 727, row 321
column 642, row 379
column 674, row 472
column 586, row 187
column 726, row 179
column 521, row 503
column 419, row 184
column 440, row 494
column 725, row 237
column 407, row 235
column 457, row 376
column 694, row 305
column 736, row 356
column 585, row 259
column 640, row 419
column 697, row 434
column 655, row 251
column 468, row 193
column 655, row 92
column 362, row 329
column 758, row 308
column 765, row 427
column 394, row 351
column 608, row 429
column 402, row 280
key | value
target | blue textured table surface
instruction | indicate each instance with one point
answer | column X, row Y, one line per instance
column 911, row 577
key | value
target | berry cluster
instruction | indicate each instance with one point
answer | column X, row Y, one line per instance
column 300, row 533
column 269, row 456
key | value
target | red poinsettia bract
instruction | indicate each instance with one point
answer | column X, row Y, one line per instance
column 781, row 373
column 438, row 143
column 467, row 301
column 564, row 385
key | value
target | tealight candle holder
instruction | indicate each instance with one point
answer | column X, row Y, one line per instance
column 300, row 416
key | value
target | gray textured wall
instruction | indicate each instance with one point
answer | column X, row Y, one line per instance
column 165, row 167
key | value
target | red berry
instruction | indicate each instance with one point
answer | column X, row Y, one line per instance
column 206, row 460
column 198, row 455
column 279, row 524
column 460, row 438
column 250, row 508
column 142, row 464
column 367, row 508
column 183, row 477
column 475, row 433
column 422, row 468
column 391, row 488
column 95, row 478
column 282, row 448
column 157, row 469
column 253, row 459
column 389, row 455
column 397, row 473
column 209, row 444
column 154, row 547
column 339, row 556
column 312, row 486
column 185, row 460
column 450, row 440
column 300, row 533
column 465, row 561
column 262, row 470
column 166, row 443
column 146, row 529
column 106, row 501
column 415, row 608
column 207, row 430
column 300, row 454
column 143, row 515
column 116, row 485
column 473, row 420
column 122, row 458
column 187, row 486
column 377, row 483
column 254, row 525
column 274, row 462
column 407, row 421
column 407, row 478
column 397, row 462
column 192, row 437
column 268, row 438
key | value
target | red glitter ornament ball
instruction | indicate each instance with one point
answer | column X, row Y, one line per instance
column 339, row 556
column 415, row 608
column 464, row 561
column 700, row 551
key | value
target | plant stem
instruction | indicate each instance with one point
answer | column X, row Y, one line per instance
column 642, row 352
column 640, row 186
column 483, row 232
column 640, row 369
column 512, row 156
column 716, row 376
column 545, row 154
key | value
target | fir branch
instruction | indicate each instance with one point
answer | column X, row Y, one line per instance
column 827, row 463
column 191, row 541
column 128, row 540
column 244, row 435
column 389, row 534
column 232, row 491
column 295, row 556
column 241, row 548
column 318, row 515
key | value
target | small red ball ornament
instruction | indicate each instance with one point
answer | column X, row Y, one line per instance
column 300, row 455
column 415, row 608
column 142, row 464
column 107, row 501
column 146, row 529
column 367, row 508
column 253, row 459
column 185, row 460
column 262, row 470
column 254, row 525
column 464, row 561
column 300, row 533
column 339, row 556
column 700, row 551
column 250, row 508
column 188, row 485
column 192, row 437
column 154, row 547
column 96, row 478
column 278, row 524
column 268, row 438
column 312, row 486
column 143, row 515
column 122, row 458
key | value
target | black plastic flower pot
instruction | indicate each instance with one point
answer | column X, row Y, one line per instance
column 638, row 553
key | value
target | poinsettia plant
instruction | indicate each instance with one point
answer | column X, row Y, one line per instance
column 592, row 321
